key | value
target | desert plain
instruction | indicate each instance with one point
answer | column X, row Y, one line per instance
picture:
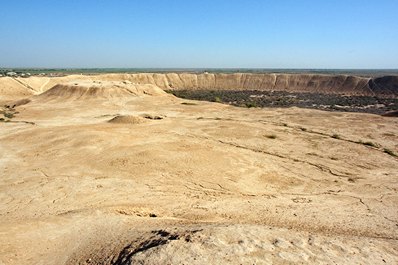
column 111, row 169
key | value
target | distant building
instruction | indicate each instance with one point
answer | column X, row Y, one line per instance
column 11, row 74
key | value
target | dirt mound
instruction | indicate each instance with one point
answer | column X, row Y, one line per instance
column 10, row 88
column 100, row 89
column 129, row 119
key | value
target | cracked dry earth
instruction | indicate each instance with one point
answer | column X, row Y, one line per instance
column 147, row 178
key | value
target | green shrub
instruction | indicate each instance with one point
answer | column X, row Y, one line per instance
column 217, row 99
column 8, row 115
column 250, row 105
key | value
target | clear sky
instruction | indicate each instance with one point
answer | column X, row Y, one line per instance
column 199, row 33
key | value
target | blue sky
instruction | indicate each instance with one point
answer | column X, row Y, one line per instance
column 193, row 34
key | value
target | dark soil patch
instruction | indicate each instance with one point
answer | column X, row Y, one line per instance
column 283, row 99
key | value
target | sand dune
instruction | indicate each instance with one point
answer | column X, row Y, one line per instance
column 110, row 171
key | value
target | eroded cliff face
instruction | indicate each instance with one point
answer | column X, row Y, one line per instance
column 385, row 85
column 237, row 81
column 316, row 83
column 334, row 84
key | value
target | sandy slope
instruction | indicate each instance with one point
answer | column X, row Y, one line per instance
column 171, row 183
column 10, row 89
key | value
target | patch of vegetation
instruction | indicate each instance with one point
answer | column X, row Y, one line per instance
column 217, row 99
column 303, row 129
column 390, row 152
column 284, row 124
column 270, row 136
column 188, row 103
column 250, row 105
column 335, row 136
column 8, row 115
column 285, row 99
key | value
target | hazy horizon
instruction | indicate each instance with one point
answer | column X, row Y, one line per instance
column 220, row 34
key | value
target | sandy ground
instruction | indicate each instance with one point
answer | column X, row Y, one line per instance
column 125, row 174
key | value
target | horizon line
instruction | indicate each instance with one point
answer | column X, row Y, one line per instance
column 192, row 68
